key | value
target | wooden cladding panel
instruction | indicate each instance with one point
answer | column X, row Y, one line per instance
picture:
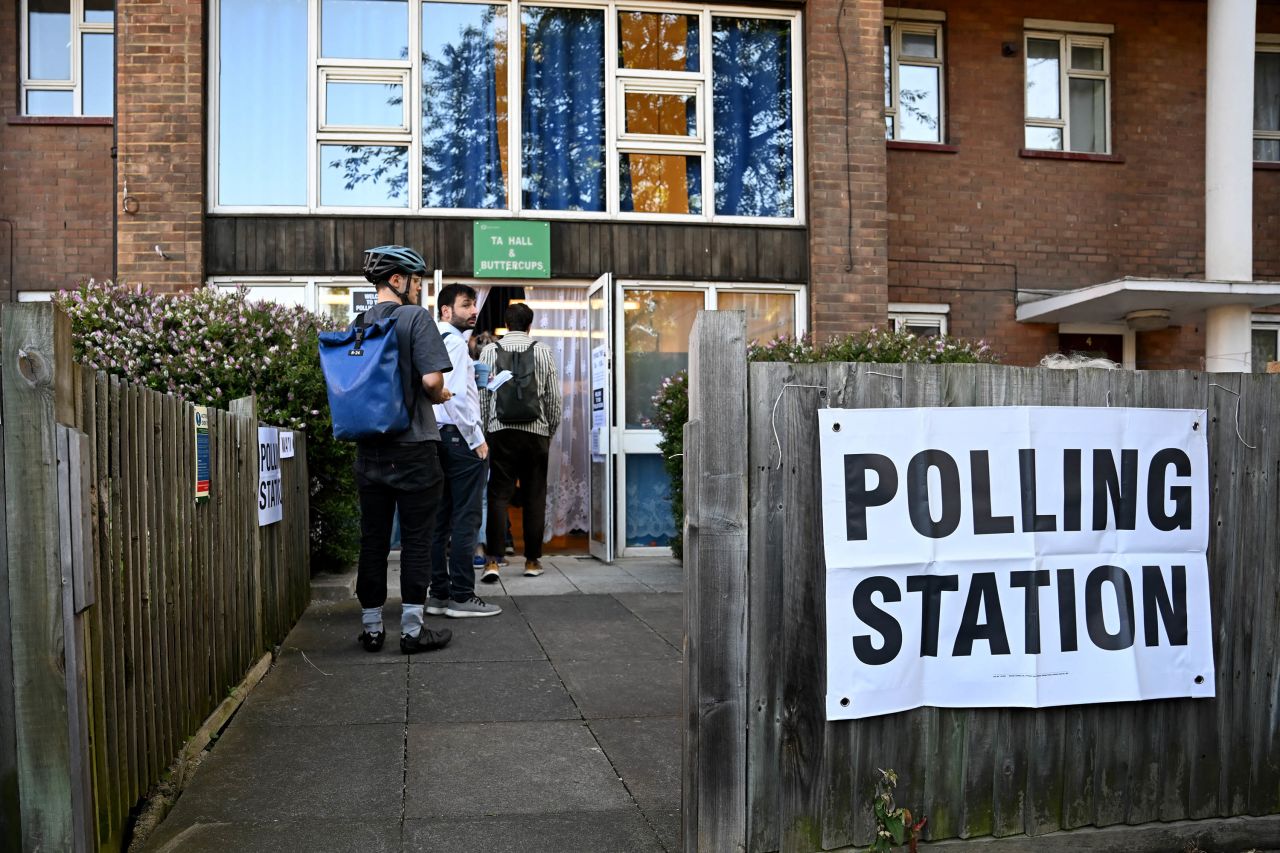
column 264, row 246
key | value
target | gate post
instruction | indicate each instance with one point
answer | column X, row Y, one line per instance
column 714, row 796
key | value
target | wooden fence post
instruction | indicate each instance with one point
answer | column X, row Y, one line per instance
column 247, row 407
column 715, row 739
column 10, row 811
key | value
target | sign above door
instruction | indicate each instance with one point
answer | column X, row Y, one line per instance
column 507, row 249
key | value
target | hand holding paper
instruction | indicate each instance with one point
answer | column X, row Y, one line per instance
column 498, row 380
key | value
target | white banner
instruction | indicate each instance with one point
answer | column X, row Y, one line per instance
column 1021, row 556
column 270, row 497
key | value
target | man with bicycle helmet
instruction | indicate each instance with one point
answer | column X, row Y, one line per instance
column 402, row 471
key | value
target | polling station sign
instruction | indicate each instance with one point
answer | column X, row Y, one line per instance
column 270, row 494
column 1014, row 557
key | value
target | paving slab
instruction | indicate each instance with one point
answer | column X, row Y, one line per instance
column 664, row 613
column 646, row 754
column 505, row 637
column 591, row 627
column 259, row 773
column 525, row 768
column 328, row 633
column 624, row 688
column 298, row 693
column 491, row 691
column 550, row 582
column 621, row 831
column 666, row 824
column 314, row 836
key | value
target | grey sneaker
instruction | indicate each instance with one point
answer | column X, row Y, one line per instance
column 437, row 606
column 473, row 606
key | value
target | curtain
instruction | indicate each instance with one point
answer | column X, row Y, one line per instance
column 563, row 110
column 1266, row 104
column 751, row 95
column 564, row 331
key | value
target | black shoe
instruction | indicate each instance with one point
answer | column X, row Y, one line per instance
column 373, row 642
column 426, row 641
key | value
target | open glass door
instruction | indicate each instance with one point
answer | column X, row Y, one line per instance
column 599, row 319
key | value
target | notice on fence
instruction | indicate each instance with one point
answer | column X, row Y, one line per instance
column 270, row 496
column 286, row 444
column 202, row 451
column 1014, row 557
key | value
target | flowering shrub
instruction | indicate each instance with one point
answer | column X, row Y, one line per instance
column 875, row 346
column 212, row 347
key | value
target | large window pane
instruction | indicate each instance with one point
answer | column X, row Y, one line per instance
column 919, row 108
column 99, row 11
column 1266, row 91
column 1044, row 138
column 262, row 103
column 1264, row 349
column 50, row 103
column 1088, row 115
column 769, row 315
column 563, row 138
column 1266, row 150
column 660, row 183
column 352, row 104
column 751, row 72
column 649, row 519
column 364, row 29
column 97, row 74
column 658, row 324
column 660, row 114
column 1043, row 68
column 658, row 41
column 364, row 175
column 49, row 39
column 464, row 106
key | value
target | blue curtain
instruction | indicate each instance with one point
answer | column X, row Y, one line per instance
column 563, row 111
column 461, row 157
column 751, row 85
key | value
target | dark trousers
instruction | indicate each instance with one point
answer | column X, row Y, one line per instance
column 517, row 455
column 458, row 521
column 407, row 477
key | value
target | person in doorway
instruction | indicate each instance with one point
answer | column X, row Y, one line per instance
column 520, row 417
column 463, row 454
column 402, row 471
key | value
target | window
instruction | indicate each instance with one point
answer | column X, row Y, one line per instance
column 1266, row 100
column 1266, row 341
column 68, row 57
column 510, row 107
column 924, row 320
column 1068, row 102
column 913, row 78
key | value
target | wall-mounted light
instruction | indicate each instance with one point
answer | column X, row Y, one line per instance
column 1147, row 320
column 1009, row 49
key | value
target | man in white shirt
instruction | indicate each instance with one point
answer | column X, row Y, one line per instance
column 463, row 456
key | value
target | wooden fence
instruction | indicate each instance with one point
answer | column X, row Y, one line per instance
column 128, row 608
column 765, row 771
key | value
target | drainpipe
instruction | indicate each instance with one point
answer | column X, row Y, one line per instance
column 1228, row 191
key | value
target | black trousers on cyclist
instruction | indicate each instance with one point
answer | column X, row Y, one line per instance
column 390, row 477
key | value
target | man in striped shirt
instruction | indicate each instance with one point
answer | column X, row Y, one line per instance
column 519, row 450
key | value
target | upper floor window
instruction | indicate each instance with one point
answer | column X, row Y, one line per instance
column 1068, row 89
column 68, row 57
column 913, row 78
column 511, row 107
column 1266, row 100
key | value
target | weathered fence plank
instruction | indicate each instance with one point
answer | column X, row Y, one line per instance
column 10, row 807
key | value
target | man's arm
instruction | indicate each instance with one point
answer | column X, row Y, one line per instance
column 553, row 402
column 433, row 384
column 464, row 416
column 489, row 355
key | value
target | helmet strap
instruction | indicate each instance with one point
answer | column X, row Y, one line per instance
column 402, row 295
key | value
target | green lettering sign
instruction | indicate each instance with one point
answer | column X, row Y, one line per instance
column 508, row 249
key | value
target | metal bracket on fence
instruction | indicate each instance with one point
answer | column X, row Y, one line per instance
column 885, row 375
column 1238, row 397
column 773, row 418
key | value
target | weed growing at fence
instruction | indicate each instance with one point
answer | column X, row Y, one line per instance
column 671, row 403
column 895, row 826
column 212, row 347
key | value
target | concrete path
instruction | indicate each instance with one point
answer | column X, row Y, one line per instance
column 552, row 727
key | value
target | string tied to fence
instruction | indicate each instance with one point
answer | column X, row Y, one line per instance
column 1239, row 397
column 773, row 418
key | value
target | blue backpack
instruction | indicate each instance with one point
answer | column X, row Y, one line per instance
column 362, row 375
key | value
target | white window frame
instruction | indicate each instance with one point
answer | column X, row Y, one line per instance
column 616, row 142
column 1264, row 323
column 339, row 74
column 1076, row 35
column 1129, row 344
column 921, row 22
column 1267, row 43
column 935, row 314
column 79, row 28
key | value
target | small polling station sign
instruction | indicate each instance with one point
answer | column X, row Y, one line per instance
column 1014, row 557
column 202, row 451
column 286, row 444
column 270, row 496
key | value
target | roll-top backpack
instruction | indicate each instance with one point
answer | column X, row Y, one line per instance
column 516, row 400
column 362, row 376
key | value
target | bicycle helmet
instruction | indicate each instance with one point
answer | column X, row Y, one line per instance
column 382, row 262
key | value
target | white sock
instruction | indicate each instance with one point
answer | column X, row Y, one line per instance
column 372, row 619
column 411, row 620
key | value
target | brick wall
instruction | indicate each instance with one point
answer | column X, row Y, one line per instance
column 55, row 188
column 160, row 56
column 963, row 224
column 846, row 159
